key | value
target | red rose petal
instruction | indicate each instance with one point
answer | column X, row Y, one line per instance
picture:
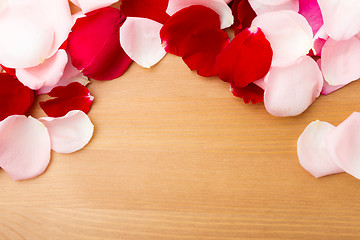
column 243, row 15
column 250, row 93
column 152, row 9
column 94, row 45
column 15, row 98
column 246, row 59
column 10, row 71
column 74, row 96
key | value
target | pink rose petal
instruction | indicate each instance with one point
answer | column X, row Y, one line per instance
column 341, row 18
column 24, row 147
column 312, row 150
column 293, row 41
column 91, row 5
column 264, row 6
column 69, row 133
column 343, row 145
column 219, row 6
column 311, row 11
column 291, row 90
column 45, row 74
column 140, row 39
column 340, row 61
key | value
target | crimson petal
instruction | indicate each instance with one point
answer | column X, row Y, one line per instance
column 243, row 15
column 94, row 45
column 250, row 93
column 152, row 9
column 15, row 98
column 246, row 59
column 74, row 96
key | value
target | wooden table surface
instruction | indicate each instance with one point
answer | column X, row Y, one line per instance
column 176, row 156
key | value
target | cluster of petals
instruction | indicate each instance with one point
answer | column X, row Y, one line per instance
column 324, row 149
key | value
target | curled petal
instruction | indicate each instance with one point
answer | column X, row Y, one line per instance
column 91, row 5
column 243, row 15
column 25, row 147
column 293, row 41
column 94, row 45
column 340, row 61
column 312, row 150
column 341, row 18
column 31, row 37
column 246, row 59
column 69, row 133
column 74, row 96
column 263, row 6
column 45, row 74
column 15, row 98
column 343, row 145
column 151, row 9
column 140, row 39
column 291, row 90
column 219, row 6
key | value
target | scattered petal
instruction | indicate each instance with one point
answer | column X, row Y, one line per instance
column 47, row 73
column 74, row 96
column 24, row 147
column 140, row 39
column 251, row 93
column 340, row 61
column 311, row 11
column 15, row 98
column 293, row 41
column 219, row 6
column 312, row 150
column 91, row 5
column 243, row 15
column 264, row 6
column 69, row 133
column 292, row 89
column 94, row 45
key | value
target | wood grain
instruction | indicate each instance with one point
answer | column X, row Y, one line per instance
column 176, row 156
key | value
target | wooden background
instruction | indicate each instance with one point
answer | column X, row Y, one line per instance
column 176, row 156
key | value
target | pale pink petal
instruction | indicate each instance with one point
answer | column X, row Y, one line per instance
column 91, row 5
column 340, row 61
column 24, row 147
column 69, row 133
column 261, row 6
column 3, row 4
column 45, row 74
column 327, row 88
column 343, row 145
column 341, row 18
column 140, row 39
column 289, row 34
column 219, row 6
column 260, row 83
column 291, row 90
column 27, row 37
column 312, row 150
column 319, row 41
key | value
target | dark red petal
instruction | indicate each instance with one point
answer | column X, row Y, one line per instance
column 246, row 59
column 10, row 71
column 184, row 24
column 15, row 98
column 203, row 48
column 152, row 9
column 74, row 96
column 250, row 93
column 94, row 45
column 243, row 15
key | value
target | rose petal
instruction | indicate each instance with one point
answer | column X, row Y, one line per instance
column 340, row 60
column 243, row 15
column 311, row 11
column 312, row 150
column 69, row 133
column 246, row 59
column 25, row 147
column 140, row 39
column 343, row 145
column 261, row 6
column 219, row 6
column 341, row 18
column 293, row 41
column 251, row 93
column 94, row 45
column 45, row 74
column 15, row 98
column 291, row 90
column 29, row 37
column 151, row 9
column 74, row 96
column 91, row 5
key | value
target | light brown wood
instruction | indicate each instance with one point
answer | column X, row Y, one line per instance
column 176, row 156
